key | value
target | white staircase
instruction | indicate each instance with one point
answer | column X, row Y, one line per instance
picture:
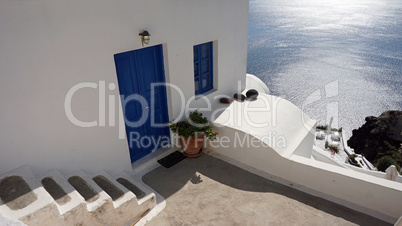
column 73, row 198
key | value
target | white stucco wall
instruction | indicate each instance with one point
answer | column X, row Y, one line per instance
column 278, row 122
column 292, row 164
column 374, row 173
column 374, row 196
column 48, row 46
column 253, row 82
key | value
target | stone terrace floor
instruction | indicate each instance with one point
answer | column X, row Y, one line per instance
column 209, row 191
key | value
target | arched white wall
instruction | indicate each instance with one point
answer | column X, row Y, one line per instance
column 272, row 119
column 253, row 82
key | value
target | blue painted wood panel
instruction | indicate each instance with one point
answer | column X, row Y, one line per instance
column 136, row 72
column 203, row 68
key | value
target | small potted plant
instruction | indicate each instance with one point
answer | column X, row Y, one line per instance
column 333, row 148
column 192, row 133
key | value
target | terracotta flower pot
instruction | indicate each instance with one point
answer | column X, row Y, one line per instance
column 191, row 147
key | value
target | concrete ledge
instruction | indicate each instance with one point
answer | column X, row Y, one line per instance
column 399, row 222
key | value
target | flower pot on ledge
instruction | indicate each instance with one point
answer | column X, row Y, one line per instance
column 191, row 147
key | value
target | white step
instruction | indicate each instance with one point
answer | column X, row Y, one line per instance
column 76, row 200
column 37, row 203
column 149, row 195
column 102, row 199
column 70, row 208
column 126, row 197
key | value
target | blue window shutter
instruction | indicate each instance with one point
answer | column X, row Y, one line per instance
column 203, row 68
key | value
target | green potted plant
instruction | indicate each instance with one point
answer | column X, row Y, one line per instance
column 192, row 132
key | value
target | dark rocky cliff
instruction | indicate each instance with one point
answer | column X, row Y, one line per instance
column 379, row 136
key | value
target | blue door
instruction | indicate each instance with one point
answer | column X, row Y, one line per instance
column 144, row 103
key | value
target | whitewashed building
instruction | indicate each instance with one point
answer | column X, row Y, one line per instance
column 49, row 47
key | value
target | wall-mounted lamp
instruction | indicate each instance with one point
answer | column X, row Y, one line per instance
column 145, row 37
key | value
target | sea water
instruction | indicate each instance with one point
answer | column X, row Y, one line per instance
column 340, row 59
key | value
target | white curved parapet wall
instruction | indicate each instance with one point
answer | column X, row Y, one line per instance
column 276, row 121
column 253, row 82
column 250, row 125
column 371, row 195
